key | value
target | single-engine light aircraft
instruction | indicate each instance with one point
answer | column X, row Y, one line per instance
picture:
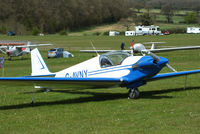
column 112, row 69
column 17, row 48
column 134, row 48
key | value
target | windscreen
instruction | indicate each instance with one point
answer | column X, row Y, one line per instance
column 113, row 58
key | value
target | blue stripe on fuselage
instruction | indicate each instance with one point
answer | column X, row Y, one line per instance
column 110, row 70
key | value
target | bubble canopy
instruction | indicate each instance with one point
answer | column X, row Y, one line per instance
column 113, row 58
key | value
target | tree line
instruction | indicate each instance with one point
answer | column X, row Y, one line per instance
column 51, row 16
column 176, row 4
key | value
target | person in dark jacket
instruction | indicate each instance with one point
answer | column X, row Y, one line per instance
column 122, row 46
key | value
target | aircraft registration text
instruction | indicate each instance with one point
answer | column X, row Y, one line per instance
column 77, row 74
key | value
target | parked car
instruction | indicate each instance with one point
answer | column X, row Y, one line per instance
column 11, row 33
column 166, row 32
column 67, row 54
column 59, row 52
column 55, row 53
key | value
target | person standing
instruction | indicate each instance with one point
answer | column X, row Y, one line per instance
column 122, row 46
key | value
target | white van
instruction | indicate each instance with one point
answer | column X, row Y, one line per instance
column 194, row 30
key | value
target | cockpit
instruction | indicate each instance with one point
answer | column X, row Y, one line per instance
column 113, row 58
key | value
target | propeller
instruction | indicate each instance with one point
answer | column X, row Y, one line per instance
column 141, row 49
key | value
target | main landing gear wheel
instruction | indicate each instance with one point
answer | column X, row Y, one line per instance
column 134, row 93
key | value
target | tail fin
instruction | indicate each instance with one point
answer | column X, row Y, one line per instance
column 38, row 65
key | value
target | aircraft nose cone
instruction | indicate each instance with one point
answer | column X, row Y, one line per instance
column 163, row 61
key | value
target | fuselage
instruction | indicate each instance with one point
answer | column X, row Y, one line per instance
column 119, row 65
column 14, row 51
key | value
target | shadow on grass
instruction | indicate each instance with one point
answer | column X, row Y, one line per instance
column 97, row 97
column 152, row 94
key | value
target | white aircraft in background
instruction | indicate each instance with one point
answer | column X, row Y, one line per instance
column 112, row 69
column 16, row 48
column 153, row 48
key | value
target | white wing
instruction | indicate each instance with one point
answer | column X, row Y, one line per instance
column 173, row 49
column 101, row 51
column 34, row 45
column 151, row 50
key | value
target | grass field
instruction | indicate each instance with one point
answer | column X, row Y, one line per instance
column 164, row 106
column 178, row 12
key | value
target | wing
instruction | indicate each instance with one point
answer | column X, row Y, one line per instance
column 3, row 46
column 174, row 74
column 173, row 49
column 101, row 51
column 151, row 50
column 2, row 49
column 94, row 51
column 33, row 45
column 67, row 83
column 36, row 45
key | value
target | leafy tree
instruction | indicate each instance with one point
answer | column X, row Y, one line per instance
column 168, row 11
column 35, row 31
column 146, row 19
column 191, row 18
column 63, row 32
column 126, row 23
column 3, row 29
column 138, row 6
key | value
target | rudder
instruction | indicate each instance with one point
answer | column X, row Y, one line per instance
column 39, row 67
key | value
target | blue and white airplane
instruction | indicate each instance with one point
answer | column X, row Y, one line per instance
column 112, row 69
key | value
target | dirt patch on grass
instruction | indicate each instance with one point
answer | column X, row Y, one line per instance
column 105, row 28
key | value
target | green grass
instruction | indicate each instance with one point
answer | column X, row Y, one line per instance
column 164, row 106
column 176, row 19
column 176, row 12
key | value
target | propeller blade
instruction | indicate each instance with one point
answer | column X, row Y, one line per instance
column 154, row 56
column 171, row 68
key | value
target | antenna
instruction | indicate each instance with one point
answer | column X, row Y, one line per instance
column 94, row 48
column 153, row 46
